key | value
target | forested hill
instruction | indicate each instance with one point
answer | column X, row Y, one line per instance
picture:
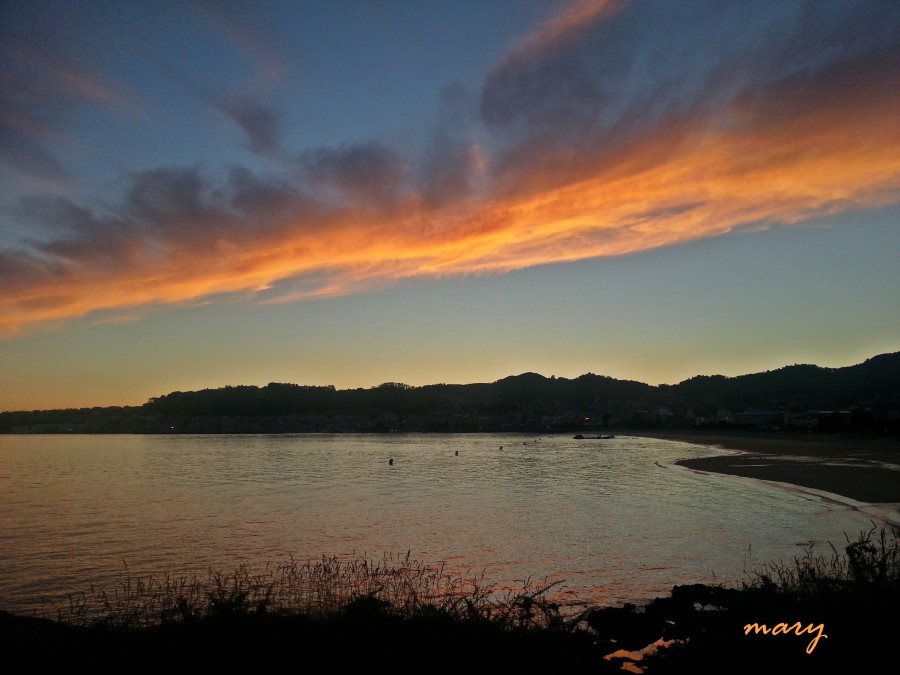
column 870, row 390
column 877, row 378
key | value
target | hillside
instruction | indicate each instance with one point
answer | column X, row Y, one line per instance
column 863, row 397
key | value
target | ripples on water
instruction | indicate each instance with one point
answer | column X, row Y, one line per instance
column 608, row 517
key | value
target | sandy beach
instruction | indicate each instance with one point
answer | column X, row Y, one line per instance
column 863, row 469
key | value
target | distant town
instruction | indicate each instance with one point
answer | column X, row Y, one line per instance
column 864, row 398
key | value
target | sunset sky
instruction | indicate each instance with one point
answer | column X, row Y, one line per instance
column 197, row 194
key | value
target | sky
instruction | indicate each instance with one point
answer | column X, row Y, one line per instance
column 196, row 194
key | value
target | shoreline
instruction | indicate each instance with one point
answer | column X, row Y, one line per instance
column 866, row 470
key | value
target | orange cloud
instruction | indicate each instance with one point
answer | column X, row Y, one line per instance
column 683, row 183
column 773, row 151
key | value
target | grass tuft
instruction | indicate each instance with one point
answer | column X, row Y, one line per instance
column 867, row 567
column 329, row 587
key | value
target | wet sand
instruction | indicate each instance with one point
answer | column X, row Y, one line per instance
column 866, row 470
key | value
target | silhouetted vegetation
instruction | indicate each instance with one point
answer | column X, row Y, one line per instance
column 864, row 398
column 836, row 609
column 395, row 585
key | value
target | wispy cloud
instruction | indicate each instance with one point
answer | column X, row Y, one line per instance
column 578, row 16
column 244, row 26
column 601, row 145
column 43, row 85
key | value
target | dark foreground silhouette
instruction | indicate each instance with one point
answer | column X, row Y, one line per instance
column 819, row 613
column 703, row 628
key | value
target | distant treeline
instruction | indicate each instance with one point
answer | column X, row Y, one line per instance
column 864, row 396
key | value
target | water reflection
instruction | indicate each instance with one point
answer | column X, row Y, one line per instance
column 607, row 516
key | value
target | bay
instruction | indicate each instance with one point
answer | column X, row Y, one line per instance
column 612, row 521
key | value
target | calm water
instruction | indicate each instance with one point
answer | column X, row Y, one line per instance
column 609, row 517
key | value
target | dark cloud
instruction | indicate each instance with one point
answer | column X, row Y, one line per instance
column 105, row 246
column 450, row 167
column 448, row 170
column 250, row 30
column 369, row 173
column 260, row 122
column 558, row 94
column 77, row 236
column 844, row 88
column 255, row 196
column 167, row 194
column 179, row 210
column 166, row 212
column 21, row 270
column 55, row 215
